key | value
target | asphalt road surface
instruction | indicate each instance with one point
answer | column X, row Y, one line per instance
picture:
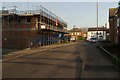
column 81, row 60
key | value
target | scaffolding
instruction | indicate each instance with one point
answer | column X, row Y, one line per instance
column 39, row 11
column 38, row 19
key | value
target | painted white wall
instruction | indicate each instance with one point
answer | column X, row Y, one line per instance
column 91, row 34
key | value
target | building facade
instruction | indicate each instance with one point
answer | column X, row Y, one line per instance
column 92, row 33
column 118, row 25
column 0, row 29
column 29, row 29
column 77, row 34
column 114, row 23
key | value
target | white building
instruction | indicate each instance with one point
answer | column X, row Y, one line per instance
column 92, row 32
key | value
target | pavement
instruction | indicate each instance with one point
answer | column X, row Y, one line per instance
column 79, row 60
column 114, row 58
column 15, row 53
column 98, row 65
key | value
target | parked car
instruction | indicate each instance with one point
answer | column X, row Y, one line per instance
column 94, row 40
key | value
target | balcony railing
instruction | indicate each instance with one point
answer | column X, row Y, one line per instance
column 52, row 28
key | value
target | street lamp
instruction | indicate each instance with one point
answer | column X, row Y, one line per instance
column 97, row 17
column 73, row 28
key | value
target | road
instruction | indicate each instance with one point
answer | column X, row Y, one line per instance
column 74, row 61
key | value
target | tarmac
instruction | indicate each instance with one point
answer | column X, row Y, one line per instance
column 14, row 53
column 82, row 60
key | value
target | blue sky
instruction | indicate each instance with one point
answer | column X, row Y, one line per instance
column 81, row 14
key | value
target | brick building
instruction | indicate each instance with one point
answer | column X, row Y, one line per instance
column 114, row 23
column 118, row 25
column 0, row 28
column 31, row 28
column 77, row 33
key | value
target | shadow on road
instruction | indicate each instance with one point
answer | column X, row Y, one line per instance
column 61, row 52
column 53, row 59
column 78, row 67
column 101, row 68
column 79, row 62
column 39, row 63
column 7, row 50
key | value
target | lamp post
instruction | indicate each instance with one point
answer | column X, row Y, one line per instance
column 73, row 29
column 97, row 16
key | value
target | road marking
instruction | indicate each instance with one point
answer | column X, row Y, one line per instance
column 83, row 65
column 84, row 62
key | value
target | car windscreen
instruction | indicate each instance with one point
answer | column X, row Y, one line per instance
column 93, row 38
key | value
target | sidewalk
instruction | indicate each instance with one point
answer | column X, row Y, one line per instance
column 114, row 58
column 29, row 51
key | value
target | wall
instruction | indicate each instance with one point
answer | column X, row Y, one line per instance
column 93, row 33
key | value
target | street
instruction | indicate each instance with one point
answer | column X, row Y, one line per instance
column 80, row 60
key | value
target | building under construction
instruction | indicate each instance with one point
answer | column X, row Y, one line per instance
column 23, row 29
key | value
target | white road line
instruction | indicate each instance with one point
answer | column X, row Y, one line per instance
column 83, row 66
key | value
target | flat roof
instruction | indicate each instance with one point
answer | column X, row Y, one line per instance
column 95, row 29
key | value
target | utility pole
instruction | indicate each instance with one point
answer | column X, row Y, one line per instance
column 103, row 32
column 15, row 9
column 73, row 29
column 97, row 17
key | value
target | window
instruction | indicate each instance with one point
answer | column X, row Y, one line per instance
column 75, row 33
column 100, row 36
column 28, row 20
column 38, row 19
column 78, row 33
column 71, row 33
column 100, row 33
column 36, row 23
column 118, row 22
column 19, row 20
